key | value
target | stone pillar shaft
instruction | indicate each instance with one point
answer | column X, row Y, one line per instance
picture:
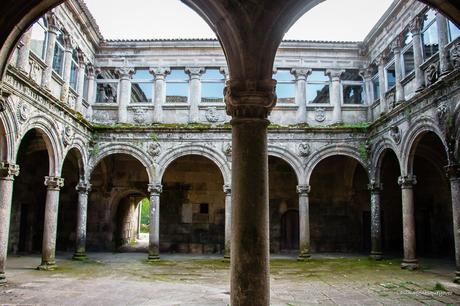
column 301, row 93
column 66, row 74
column 336, row 95
column 83, row 189
column 125, row 93
column 443, row 37
column 24, row 51
column 453, row 172
column 415, row 28
column 48, row 71
column 399, row 96
column 228, row 220
column 376, row 220
column 195, row 93
column 54, row 185
column 80, row 89
column 410, row 258
column 7, row 174
column 160, row 92
column 91, row 86
column 154, row 231
column 304, row 222
column 382, row 85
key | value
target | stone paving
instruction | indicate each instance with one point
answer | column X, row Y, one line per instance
column 127, row 279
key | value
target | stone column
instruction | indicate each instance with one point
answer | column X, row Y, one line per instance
column 228, row 220
column 376, row 220
column 443, row 37
column 396, row 48
column 80, row 83
column 453, row 172
column 301, row 93
column 195, row 93
column 83, row 189
column 366, row 74
column 249, row 102
column 54, row 185
column 160, row 92
column 68, row 52
column 415, row 28
column 7, row 174
column 380, row 60
column 154, row 231
column 53, row 31
column 91, row 72
column 24, row 51
column 410, row 261
column 125, row 93
column 304, row 222
column 335, row 94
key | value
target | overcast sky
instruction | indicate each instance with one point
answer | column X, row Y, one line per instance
column 148, row 19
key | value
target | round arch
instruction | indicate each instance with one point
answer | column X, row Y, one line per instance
column 81, row 159
column 50, row 138
column 126, row 149
column 332, row 150
column 196, row 149
column 290, row 159
column 381, row 149
column 10, row 128
column 412, row 137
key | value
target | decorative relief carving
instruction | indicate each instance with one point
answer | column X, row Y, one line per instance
column 441, row 113
column 432, row 73
column 54, row 182
column 320, row 114
column 34, row 70
column 303, row 189
column 154, row 149
column 3, row 99
column 455, row 55
column 395, row 134
column 212, row 115
column 155, row 189
column 390, row 99
column 67, row 135
column 227, row 149
column 304, row 149
column 8, row 170
column 23, row 111
column 140, row 115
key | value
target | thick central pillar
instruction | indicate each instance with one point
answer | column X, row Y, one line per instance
column 304, row 222
column 410, row 261
column 154, row 231
column 54, row 185
column 453, row 172
column 7, row 174
column 249, row 103
column 83, row 189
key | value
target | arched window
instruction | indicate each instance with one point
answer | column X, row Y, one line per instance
column 74, row 70
column 39, row 38
column 58, row 59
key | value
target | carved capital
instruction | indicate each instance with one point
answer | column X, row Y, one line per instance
column 415, row 26
column 54, row 182
column 160, row 72
column 194, row 72
column 366, row 73
column 374, row 186
column 155, row 189
column 69, row 42
column 3, row 98
column 395, row 45
column 303, row 190
column 53, row 22
column 91, row 70
column 301, row 73
column 453, row 171
column 335, row 74
column 407, row 181
column 227, row 189
column 8, row 170
column 124, row 73
column 380, row 59
column 83, row 187
column 250, row 98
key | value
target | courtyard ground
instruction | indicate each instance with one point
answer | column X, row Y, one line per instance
column 127, row 279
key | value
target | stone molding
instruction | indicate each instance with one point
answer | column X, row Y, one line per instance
column 54, row 182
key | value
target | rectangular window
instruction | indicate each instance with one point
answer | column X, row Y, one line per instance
column 390, row 73
column 106, row 86
column 352, row 87
column 408, row 60
column 177, row 86
column 454, row 31
column 212, row 86
column 142, row 86
column 376, row 87
column 318, row 87
column 58, row 58
column 285, row 87
column 430, row 42
column 39, row 39
column 74, row 70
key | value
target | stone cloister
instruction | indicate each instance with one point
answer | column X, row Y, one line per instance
column 346, row 147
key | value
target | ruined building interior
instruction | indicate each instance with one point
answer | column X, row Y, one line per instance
column 108, row 139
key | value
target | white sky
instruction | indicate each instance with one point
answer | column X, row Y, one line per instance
column 149, row 19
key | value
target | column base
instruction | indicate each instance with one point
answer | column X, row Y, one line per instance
column 304, row 256
column 226, row 258
column 456, row 278
column 2, row 278
column 153, row 258
column 80, row 256
column 376, row 256
column 47, row 266
column 410, row 264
